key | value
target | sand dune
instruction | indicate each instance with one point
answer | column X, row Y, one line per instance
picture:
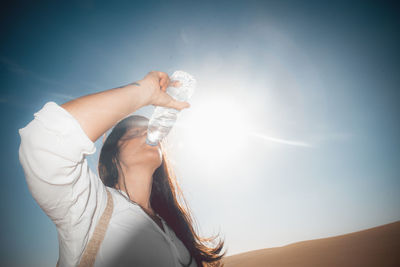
column 377, row 247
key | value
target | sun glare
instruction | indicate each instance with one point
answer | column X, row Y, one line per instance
column 216, row 133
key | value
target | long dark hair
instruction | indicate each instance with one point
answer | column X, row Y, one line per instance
column 164, row 195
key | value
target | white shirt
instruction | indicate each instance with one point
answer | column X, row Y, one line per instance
column 53, row 153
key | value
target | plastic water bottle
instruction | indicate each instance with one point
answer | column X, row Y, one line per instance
column 163, row 119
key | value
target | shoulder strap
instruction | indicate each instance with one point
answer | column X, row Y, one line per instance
column 89, row 255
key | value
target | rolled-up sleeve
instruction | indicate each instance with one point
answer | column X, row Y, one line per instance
column 53, row 153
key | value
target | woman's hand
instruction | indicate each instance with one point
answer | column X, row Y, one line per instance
column 154, row 86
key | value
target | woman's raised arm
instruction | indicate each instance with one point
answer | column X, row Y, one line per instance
column 98, row 112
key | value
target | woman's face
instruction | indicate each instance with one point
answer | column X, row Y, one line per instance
column 135, row 151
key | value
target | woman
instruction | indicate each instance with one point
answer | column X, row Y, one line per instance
column 147, row 226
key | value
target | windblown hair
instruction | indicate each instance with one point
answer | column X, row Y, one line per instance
column 164, row 196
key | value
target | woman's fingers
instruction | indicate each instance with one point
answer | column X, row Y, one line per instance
column 163, row 79
column 163, row 83
column 175, row 84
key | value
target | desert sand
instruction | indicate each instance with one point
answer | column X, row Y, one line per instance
column 377, row 247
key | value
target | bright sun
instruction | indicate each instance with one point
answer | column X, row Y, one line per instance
column 215, row 133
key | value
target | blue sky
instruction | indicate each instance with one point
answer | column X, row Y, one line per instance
column 293, row 129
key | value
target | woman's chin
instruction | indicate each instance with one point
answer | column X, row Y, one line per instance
column 154, row 156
